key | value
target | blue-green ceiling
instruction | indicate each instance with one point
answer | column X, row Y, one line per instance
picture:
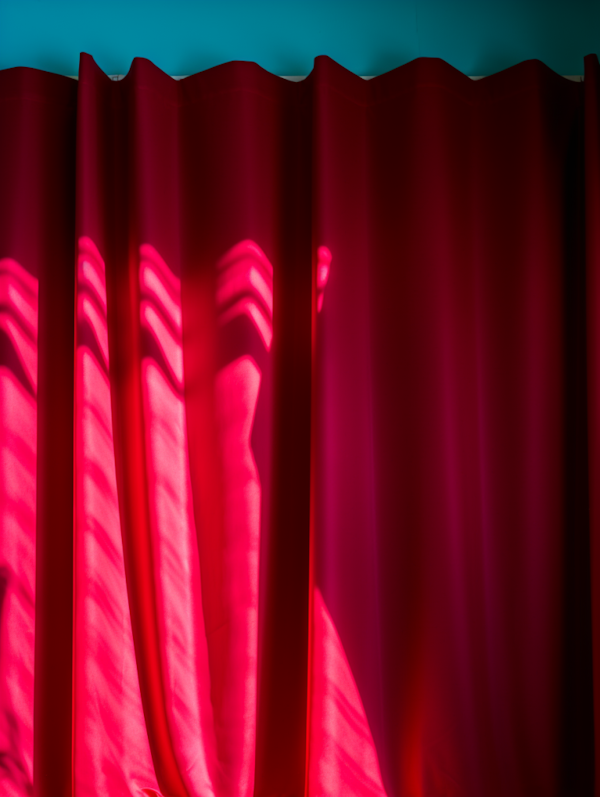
column 369, row 37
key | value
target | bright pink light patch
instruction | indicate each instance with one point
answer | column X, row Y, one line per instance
column 18, row 418
column 323, row 267
column 245, row 286
column 213, row 744
column 168, row 341
column 111, row 750
column 174, row 541
column 323, row 261
column 158, row 280
column 237, row 391
column 251, row 309
column 18, row 314
column 343, row 759
column 240, row 277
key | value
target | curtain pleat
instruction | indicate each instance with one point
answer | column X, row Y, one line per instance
column 299, row 438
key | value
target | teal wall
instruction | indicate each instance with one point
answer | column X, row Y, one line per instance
column 369, row 37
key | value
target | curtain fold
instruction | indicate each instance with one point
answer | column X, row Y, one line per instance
column 299, row 433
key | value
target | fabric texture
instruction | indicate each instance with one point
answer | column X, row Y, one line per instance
column 300, row 433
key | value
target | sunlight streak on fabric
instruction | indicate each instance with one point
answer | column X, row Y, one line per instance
column 245, row 285
column 175, row 552
column 111, row 750
column 323, row 268
column 343, row 759
column 18, row 411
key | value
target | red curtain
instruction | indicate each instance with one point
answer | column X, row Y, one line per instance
column 300, row 433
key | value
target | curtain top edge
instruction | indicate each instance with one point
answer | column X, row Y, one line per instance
column 242, row 75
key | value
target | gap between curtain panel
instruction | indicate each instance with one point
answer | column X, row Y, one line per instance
column 299, row 440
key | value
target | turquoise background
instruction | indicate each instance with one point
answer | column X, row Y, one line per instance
column 366, row 36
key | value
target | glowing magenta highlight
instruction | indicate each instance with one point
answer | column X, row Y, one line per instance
column 213, row 745
column 18, row 446
column 245, row 286
column 343, row 759
column 174, row 541
column 251, row 309
column 323, row 268
column 111, row 750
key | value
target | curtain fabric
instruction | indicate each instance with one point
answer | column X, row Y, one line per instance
column 300, row 433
